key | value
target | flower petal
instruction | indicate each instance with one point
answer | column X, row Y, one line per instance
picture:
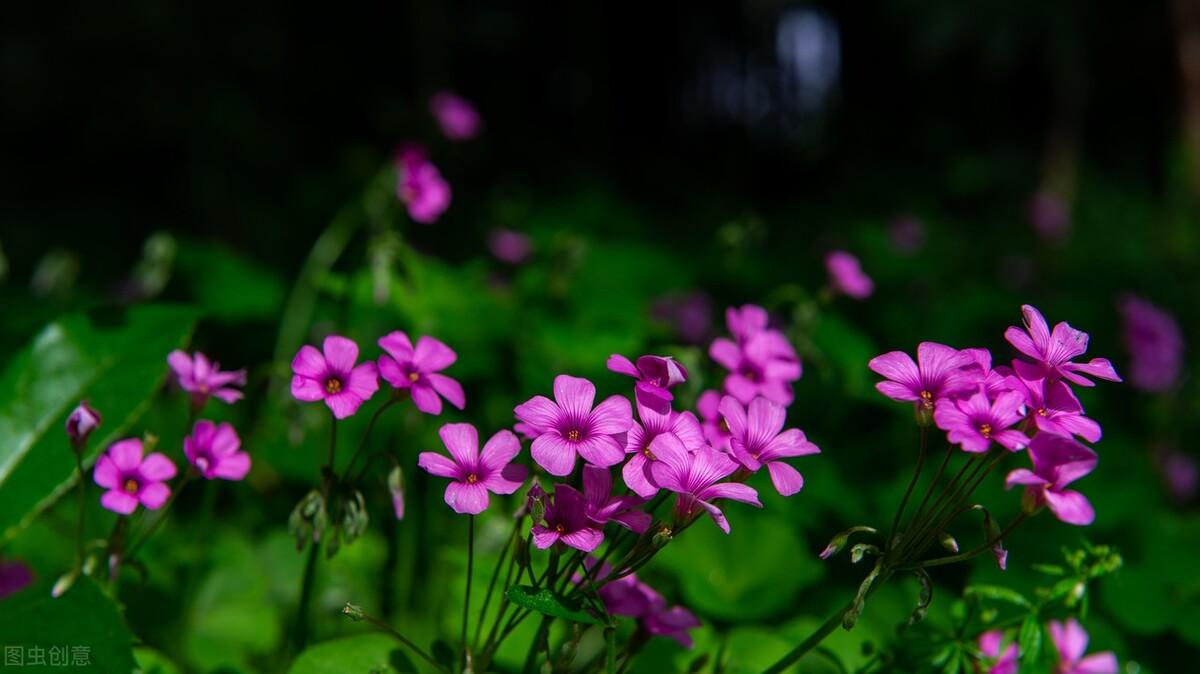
column 622, row 365
column 107, row 474
column 462, row 441
column 466, row 499
column 601, row 450
column 636, row 475
column 899, row 367
column 449, row 389
column 726, row 353
column 539, row 412
column 440, row 465
column 613, row 415
column 119, row 502
column 554, row 453
column 154, row 495
column 586, row 539
column 508, row 480
column 233, row 466
column 426, row 399
column 307, row 390
column 340, row 353
column 309, row 362
column 363, row 380
column 575, row 396
column 1070, row 507
column 343, row 404
column 787, row 480
column 398, row 346
column 432, row 355
column 157, row 468
column 126, row 454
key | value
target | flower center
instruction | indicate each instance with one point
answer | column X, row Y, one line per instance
column 573, row 435
column 202, row 463
column 130, row 486
column 723, row 425
column 926, row 398
column 414, row 376
column 649, row 454
column 560, row 528
column 985, row 430
column 1042, row 411
column 472, row 478
column 333, row 385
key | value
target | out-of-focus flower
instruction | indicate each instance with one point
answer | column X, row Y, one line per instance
column 603, row 507
column 1057, row 462
column 131, row 479
column 761, row 362
column 975, row 422
column 417, row 370
column 655, row 376
column 716, row 430
column 80, row 423
column 1179, row 472
column 421, row 186
column 202, row 378
column 1071, row 643
column 636, row 471
column 907, row 234
column 1054, row 408
column 566, row 520
column 215, row 451
column 1053, row 351
column 509, row 246
column 1050, row 216
column 846, row 275
column 14, row 577
column 332, row 376
column 746, row 322
column 689, row 313
column 990, row 644
column 1155, row 345
column 568, row 426
column 672, row 622
column 937, row 374
column 473, row 473
column 395, row 485
column 758, row 439
column 457, row 117
column 696, row 477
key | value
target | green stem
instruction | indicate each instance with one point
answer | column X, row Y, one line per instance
column 942, row 561
column 467, row 596
column 487, row 597
column 362, row 442
column 82, row 508
column 908, row 492
column 392, row 632
column 826, row 628
column 162, row 516
column 306, row 589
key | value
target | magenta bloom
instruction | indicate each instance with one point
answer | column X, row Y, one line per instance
column 215, row 451
column 473, row 473
column 1071, row 643
column 1053, row 351
column 567, row 521
column 1054, row 408
column 509, row 246
column 1057, row 462
column 1155, row 345
column 568, row 426
column 846, row 275
column 628, row 596
column 636, row 471
column 1179, row 472
column 603, row 507
column 131, row 479
column 196, row 375
column 975, row 422
column 421, row 186
column 716, row 430
column 81, row 422
column 672, row 622
column 332, row 376
column 417, row 371
column 990, row 644
column 654, row 375
column 746, row 322
column 758, row 439
column 979, row 373
column 764, row 365
column 696, row 478
column 456, row 116
column 14, row 577
column 688, row 313
column 937, row 375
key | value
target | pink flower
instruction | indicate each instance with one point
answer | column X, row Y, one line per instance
column 420, row 186
column 978, row 373
column 603, row 507
column 81, row 422
column 1071, row 643
column 1054, row 408
column 695, row 477
column 975, row 422
column 758, row 439
column 636, row 471
column 846, row 275
column 672, row 622
column 566, row 520
column 716, row 431
column 688, row 313
column 130, row 479
column 1057, row 462
column 332, row 376
column 763, row 365
column 1053, row 351
column 215, row 451
column 473, row 473
column 654, row 375
column 509, row 246
column 990, row 644
column 746, row 322
column 568, row 426
column 1155, row 345
column 457, row 117
column 937, row 374
column 416, row 370
column 628, row 596
column 196, row 375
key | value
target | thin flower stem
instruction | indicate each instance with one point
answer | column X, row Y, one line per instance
column 908, row 492
column 942, row 561
column 82, row 507
column 362, row 442
column 467, row 596
column 487, row 597
column 826, row 628
column 306, row 587
column 392, row 632
column 162, row 515
column 937, row 477
column 921, row 526
column 610, row 642
column 954, row 506
column 332, row 447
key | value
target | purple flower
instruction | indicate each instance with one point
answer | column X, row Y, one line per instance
column 1180, row 473
column 421, row 186
column 333, row 377
column 603, row 507
column 14, row 577
column 456, row 116
column 131, row 479
column 1071, row 643
column 568, row 426
column 746, row 321
column 1155, row 345
column 1050, row 216
column 672, row 622
column 636, row 471
column 764, row 365
column 654, row 375
column 628, row 596
column 215, row 451
column 907, row 234
column 689, row 313
column 937, row 374
column 567, row 520
column 1053, row 351
column 395, row 485
column 758, row 439
column 990, row 644
column 978, row 373
column 716, row 430
column 196, row 375
column 975, row 422
column 695, row 477
column 473, row 473
column 416, row 370
column 1054, row 408
column 509, row 246
column 1057, row 462
column 81, row 422
column 846, row 275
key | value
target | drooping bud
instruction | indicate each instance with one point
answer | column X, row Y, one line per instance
column 80, row 423
column 991, row 533
column 308, row 520
column 839, row 541
column 395, row 484
column 924, row 598
column 948, row 542
column 352, row 611
column 860, row 549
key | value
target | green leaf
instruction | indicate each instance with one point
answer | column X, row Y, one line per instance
column 116, row 359
column 151, row 661
column 82, row 618
column 228, row 285
column 998, row 593
column 374, row 653
column 1030, row 640
column 549, row 602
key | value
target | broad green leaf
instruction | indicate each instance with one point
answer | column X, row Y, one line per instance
column 375, row 653
column 228, row 285
column 151, row 661
column 1030, row 641
column 116, row 359
column 549, row 602
column 83, row 618
column 998, row 593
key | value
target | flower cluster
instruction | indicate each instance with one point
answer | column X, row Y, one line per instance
column 1070, row 643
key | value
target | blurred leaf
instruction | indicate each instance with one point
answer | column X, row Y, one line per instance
column 549, row 602
column 229, row 286
column 115, row 359
column 231, row 615
column 1139, row 600
column 82, row 617
column 847, row 349
column 150, row 661
column 366, row 653
column 1030, row 641
column 997, row 593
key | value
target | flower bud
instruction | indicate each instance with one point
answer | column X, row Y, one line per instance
column 80, row 423
column 395, row 484
column 308, row 520
column 948, row 542
column 663, row 536
column 354, row 612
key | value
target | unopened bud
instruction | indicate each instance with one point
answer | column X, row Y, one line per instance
column 948, row 542
column 662, row 537
column 80, row 424
column 395, row 484
column 355, row 613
